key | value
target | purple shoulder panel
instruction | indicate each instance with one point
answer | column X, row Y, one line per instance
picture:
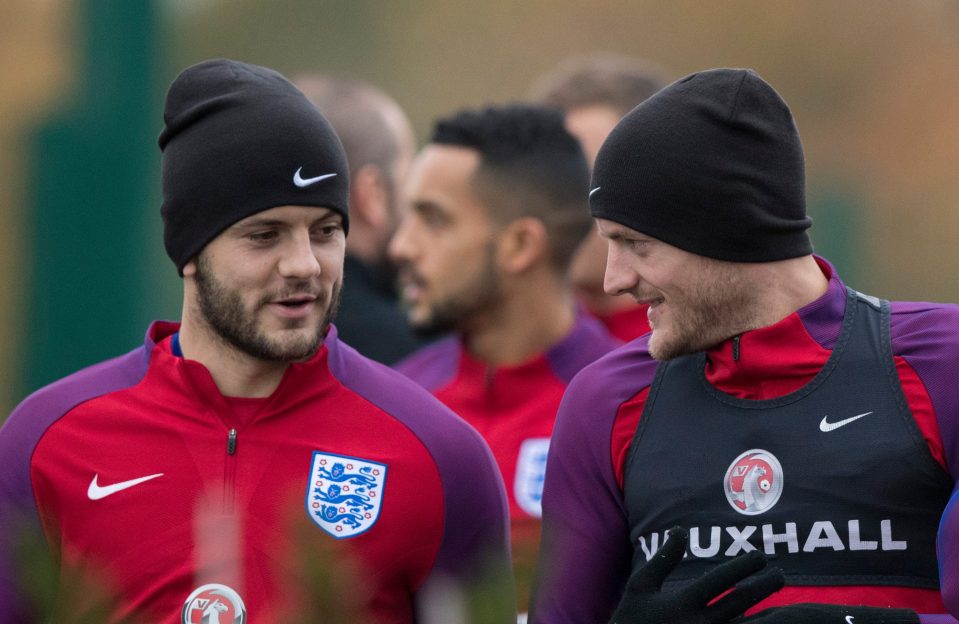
column 585, row 555
column 948, row 547
column 20, row 435
column 586, row 342
column 823, row 317
column 434, row 365
column 926, row 335
column 477, row 528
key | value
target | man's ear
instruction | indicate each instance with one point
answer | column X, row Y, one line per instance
column 189, row 269
column 369, row 203
column 522, row 244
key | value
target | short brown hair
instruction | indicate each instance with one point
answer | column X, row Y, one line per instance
column 620, row 82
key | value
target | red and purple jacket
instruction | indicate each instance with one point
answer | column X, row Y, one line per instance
column 513, row 408
column 587, row 551
column 140, row 473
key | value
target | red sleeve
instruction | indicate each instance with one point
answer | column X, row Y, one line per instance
column 624, row 428
column 921, row 406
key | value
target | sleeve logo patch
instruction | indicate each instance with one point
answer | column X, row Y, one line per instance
column 345, row 494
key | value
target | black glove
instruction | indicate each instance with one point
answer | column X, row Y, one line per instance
column 810, row 613
column 644, row 602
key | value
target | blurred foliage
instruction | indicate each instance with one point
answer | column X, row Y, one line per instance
column 321, row 582
column 61, row 595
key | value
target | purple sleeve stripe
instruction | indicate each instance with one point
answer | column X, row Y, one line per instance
column 476, row 524
column 926, row 335
column 20, row 435
column 588, row 341
column 823, row 317
column 947, row 546
column 433, row 366
column 586, row 553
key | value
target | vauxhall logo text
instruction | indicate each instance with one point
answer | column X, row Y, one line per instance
column 732, row 541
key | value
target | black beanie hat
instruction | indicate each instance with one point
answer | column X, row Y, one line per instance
column 711, row 164
column 240, row 139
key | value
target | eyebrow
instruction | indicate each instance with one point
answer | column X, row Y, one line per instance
column 425, row 204
column 612, row 233
column 621, row 231
column 255, row 221
column 429, row 206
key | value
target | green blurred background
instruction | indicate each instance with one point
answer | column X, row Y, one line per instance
column 873, row 84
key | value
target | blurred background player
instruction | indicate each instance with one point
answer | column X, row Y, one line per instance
column 379, row 144
column 596, row 91
column 497, row 207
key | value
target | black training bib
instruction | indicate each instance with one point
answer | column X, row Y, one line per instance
column 833, row 482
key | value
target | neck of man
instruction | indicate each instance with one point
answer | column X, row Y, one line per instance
column 533, row 315
column 235, row 373
column 785, row 287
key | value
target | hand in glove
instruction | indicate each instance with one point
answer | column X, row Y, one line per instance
column 644, row 602
column 810, row 613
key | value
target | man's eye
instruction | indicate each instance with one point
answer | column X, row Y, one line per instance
column 435, row 220
column 328, row 230
column 263, row 237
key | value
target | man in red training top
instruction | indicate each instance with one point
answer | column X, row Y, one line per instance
column 195, row 474
column 497, row 207
column 771, row 408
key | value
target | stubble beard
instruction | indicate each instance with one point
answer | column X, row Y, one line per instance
column 455, row 312
column 722, row 304
column 223, row 310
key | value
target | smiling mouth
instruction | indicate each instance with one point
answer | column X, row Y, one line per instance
column 294, row 302
column 651, row 302
column 411, row 286
column 295, row 306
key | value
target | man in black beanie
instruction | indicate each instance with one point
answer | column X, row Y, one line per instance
column 771, row 408
column 214, row 470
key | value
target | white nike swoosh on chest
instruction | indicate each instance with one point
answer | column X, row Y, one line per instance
column 97, row 491
column 825, row 426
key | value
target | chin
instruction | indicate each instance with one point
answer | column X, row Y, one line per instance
column 418, row 318
column 661, row 347
column 296, row 339
column 297, row 351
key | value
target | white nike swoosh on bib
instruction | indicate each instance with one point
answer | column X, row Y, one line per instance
column 96, row 491
column 302, row 182
column 594, row 190
column 825, row 426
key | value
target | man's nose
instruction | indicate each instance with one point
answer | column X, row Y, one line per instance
column 299, row 259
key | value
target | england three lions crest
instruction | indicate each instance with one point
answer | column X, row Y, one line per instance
column 345, row 494
column 530, row 475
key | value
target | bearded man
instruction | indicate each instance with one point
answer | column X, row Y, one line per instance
column 771, row 409
column 245, row 446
